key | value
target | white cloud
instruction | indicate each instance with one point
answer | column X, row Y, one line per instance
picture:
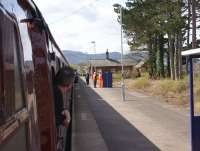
column 75, row 24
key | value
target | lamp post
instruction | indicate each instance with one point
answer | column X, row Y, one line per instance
column 122, row 62
column 94, row 47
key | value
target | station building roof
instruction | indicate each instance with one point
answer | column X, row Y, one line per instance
column 111, row 62
column 104, row 63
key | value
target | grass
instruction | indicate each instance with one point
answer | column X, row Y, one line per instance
column 167, row 86
column 197, row 93
column 174, row 92
column 197, row 108
column 117, row 77
column 141, row 83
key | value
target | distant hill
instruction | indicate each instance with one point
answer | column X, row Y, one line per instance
column 77, row 57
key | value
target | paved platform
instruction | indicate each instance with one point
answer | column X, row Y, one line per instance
column 104, row 122
column 86, row 135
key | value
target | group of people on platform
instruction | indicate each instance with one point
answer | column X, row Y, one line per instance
column 97, row 78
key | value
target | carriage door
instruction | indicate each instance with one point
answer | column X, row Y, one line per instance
column 13, row 119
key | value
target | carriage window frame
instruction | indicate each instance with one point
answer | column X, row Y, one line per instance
column 10, row 124
column 17, row 53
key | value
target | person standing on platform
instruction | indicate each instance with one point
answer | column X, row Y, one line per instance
column 87, row 78
column 95, row 79
column 100, row 77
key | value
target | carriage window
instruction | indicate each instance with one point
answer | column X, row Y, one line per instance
column 19, row 103
column 12, row 78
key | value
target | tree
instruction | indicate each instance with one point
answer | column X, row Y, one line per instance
column 142, row 27
column 147, row 22
column 194, row 39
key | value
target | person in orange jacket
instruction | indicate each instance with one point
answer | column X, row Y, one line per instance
column 100, row 80
column 94, row 77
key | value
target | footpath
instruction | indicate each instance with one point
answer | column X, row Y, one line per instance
column 104, row 122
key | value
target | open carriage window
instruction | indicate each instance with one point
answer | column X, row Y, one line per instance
column 12, row 98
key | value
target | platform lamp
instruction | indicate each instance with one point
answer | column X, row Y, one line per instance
column 122, row 54
column 94, row 48
column 118, row 9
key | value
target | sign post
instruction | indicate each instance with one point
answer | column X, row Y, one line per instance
column 194, row 119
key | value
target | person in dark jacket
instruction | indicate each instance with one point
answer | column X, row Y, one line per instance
column 87, row 78
column 64, row 80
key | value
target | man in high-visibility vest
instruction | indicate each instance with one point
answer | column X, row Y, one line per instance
column 100, row 77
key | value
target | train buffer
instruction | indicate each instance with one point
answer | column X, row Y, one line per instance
column 103, row 122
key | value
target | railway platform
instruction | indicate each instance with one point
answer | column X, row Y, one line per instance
column 86, row 135
column 103, row 122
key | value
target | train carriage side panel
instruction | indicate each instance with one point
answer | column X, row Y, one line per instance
column 18, row 11
column 30, row 60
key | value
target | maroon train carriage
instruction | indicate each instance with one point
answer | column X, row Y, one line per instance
column 29, row 60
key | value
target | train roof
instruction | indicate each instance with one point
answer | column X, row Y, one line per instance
column 191, row 52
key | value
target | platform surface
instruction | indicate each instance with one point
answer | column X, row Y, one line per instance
column 103, row 122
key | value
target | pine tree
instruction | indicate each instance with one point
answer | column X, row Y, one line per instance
column 147, row 22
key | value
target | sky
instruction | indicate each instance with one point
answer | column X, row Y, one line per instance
column 75, row 24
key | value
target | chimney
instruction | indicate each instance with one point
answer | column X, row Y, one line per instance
column 107, row 54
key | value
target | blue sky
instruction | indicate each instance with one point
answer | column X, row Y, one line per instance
column 74, row 24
